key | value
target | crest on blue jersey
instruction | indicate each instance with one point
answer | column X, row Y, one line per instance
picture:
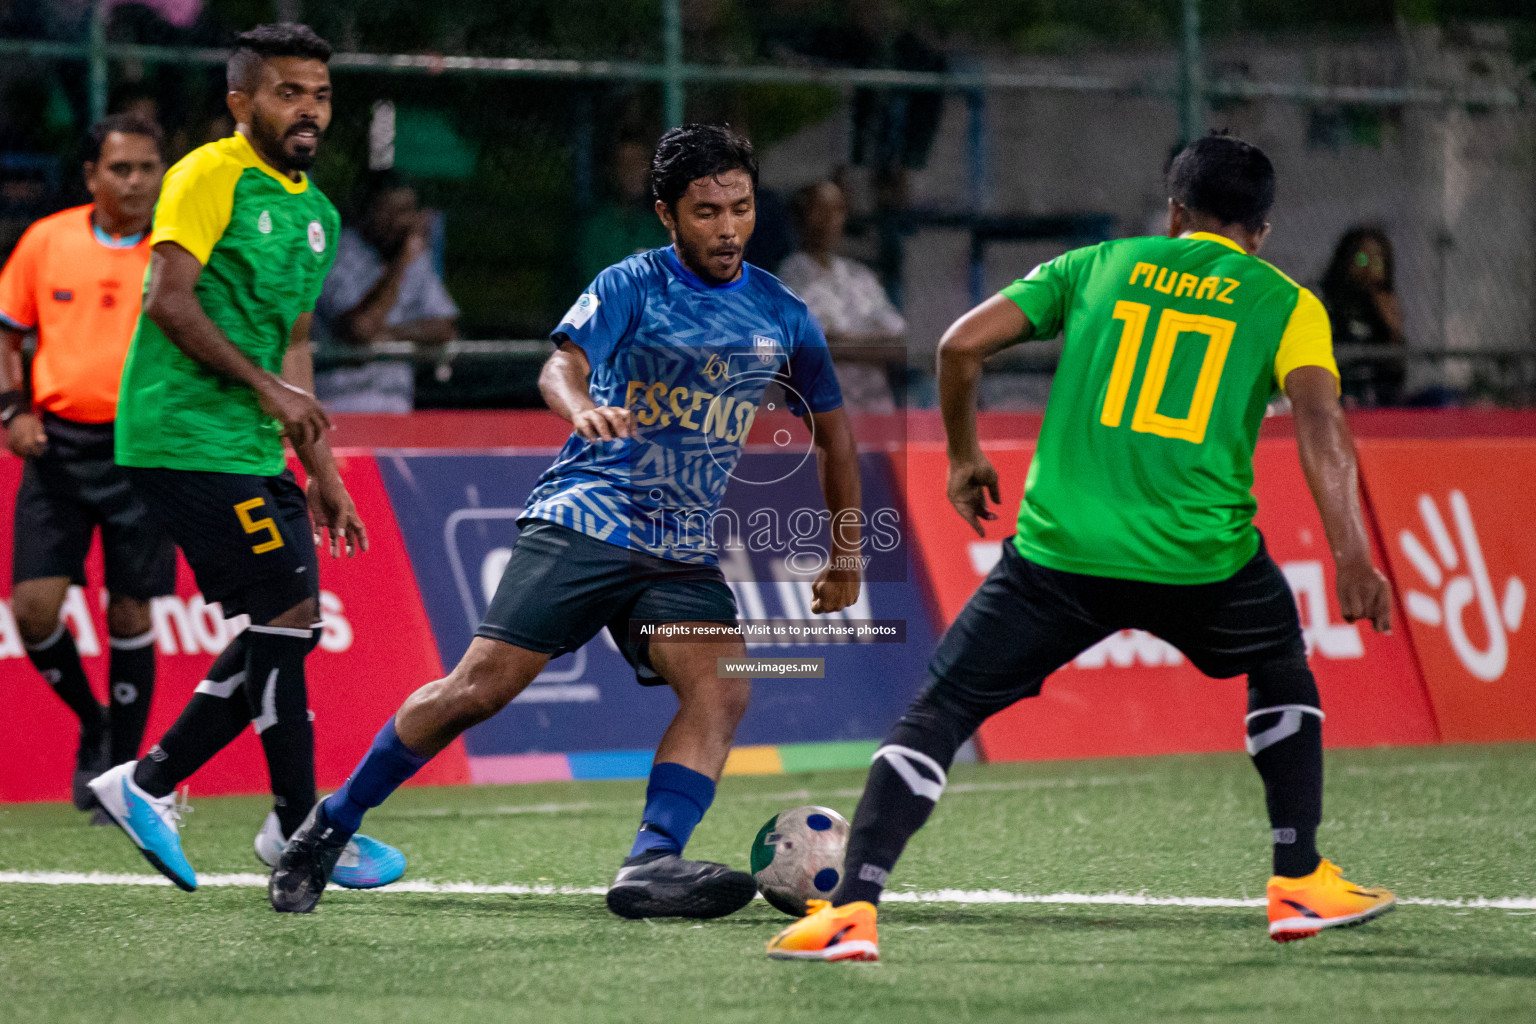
column 766, row 348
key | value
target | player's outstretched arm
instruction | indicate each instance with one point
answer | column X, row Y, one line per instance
column 172, row 304
column 565, row 384
column 1328, row 459
column 985, row 330
column 330, row 506
column 837, row 465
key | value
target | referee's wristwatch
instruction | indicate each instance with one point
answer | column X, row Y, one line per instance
column 13, row 404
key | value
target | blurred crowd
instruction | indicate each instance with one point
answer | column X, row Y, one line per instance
column 386, row 300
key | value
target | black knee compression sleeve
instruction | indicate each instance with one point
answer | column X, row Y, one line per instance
column 1285, row 740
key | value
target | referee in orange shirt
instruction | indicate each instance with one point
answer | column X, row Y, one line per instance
column 76, row 278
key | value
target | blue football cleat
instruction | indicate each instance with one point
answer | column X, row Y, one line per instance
column 150, row 822
column 365, row 863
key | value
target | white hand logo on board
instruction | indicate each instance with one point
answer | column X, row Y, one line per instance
column 1500, row 618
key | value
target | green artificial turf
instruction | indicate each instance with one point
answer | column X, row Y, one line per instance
column 1453, row 823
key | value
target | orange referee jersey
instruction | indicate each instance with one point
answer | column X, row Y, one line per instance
column 80, row 288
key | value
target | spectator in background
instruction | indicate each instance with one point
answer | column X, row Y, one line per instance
column 774, row 237
column 864, row 331
column 1362, row 305
column 383, row 287
column 626, row 222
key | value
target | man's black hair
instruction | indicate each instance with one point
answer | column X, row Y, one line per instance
column 1226, row 178
column 123, row 124
column 280, row 39
column 695, row 151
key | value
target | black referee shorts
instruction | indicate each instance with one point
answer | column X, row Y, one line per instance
column 1026, row 621
column 247, row 538
column 67, row 494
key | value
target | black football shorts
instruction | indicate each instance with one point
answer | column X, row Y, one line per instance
column 74, row 489
column 247, row 538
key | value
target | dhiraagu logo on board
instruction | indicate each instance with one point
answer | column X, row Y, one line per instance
column 1457, row 576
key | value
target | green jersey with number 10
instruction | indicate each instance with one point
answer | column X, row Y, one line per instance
column 1173, row 348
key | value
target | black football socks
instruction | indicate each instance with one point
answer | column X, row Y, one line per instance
column 1285, row 741
column 905, row 782
column 131, row 689
column 279, row 709
column 59, row 662
column 217, row 713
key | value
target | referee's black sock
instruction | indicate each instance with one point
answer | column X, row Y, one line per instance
column 216, row 714
column 279, row 709
column 908, row 776
column 59, row 662
column 131, row 671
column 1285, row 740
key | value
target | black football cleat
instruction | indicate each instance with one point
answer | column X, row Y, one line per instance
column 305, row 866
column 669, row 886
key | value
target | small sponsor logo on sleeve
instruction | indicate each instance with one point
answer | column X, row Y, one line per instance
column 581, row 311
column 63, row 295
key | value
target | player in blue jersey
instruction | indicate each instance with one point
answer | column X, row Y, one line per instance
column 660, row 367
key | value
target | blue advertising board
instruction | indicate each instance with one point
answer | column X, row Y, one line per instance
column 458, row 515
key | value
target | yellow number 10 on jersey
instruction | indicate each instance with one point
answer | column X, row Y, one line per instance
column 1146, row 419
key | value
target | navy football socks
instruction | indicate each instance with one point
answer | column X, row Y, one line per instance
column 382, row 770
column 675, row 801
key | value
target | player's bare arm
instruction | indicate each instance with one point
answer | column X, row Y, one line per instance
column 172, row 304
column 330, row 506
column 1328, row 459
column 565, row 384
column 837, row 465
column 985, row 330
column 24, row 431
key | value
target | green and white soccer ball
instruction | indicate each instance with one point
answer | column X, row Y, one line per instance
column 798, row 856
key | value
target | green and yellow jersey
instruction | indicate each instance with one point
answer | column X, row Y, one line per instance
column 266, row 243
column 1173, row 348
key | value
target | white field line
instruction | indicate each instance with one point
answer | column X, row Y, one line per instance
column 959, row 896
column 796, row 794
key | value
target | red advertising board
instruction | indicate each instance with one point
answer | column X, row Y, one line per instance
column 1135, row 694
column 1456, row 517
column 376, row 648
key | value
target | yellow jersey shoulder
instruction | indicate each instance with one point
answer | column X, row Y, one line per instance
column 198, row 196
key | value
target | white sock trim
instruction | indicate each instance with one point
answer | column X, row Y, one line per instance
column 1306, row 709
column 900, row 759
column 302, row 634
column 53, row 638
column 268, row 716
column 131, row 643
column 222, row 688
column 1288, row 726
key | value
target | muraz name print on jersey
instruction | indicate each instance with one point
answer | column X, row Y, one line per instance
column 1177, row 284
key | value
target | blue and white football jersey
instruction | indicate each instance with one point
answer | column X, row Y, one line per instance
column 691, row 361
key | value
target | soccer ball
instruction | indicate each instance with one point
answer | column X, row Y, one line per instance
column 798, row 856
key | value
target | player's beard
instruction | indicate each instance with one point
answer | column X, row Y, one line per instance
column 696, row 258
column 271, row 141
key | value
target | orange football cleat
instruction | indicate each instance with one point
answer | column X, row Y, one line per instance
column 1299, row 908
column 829, row 933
